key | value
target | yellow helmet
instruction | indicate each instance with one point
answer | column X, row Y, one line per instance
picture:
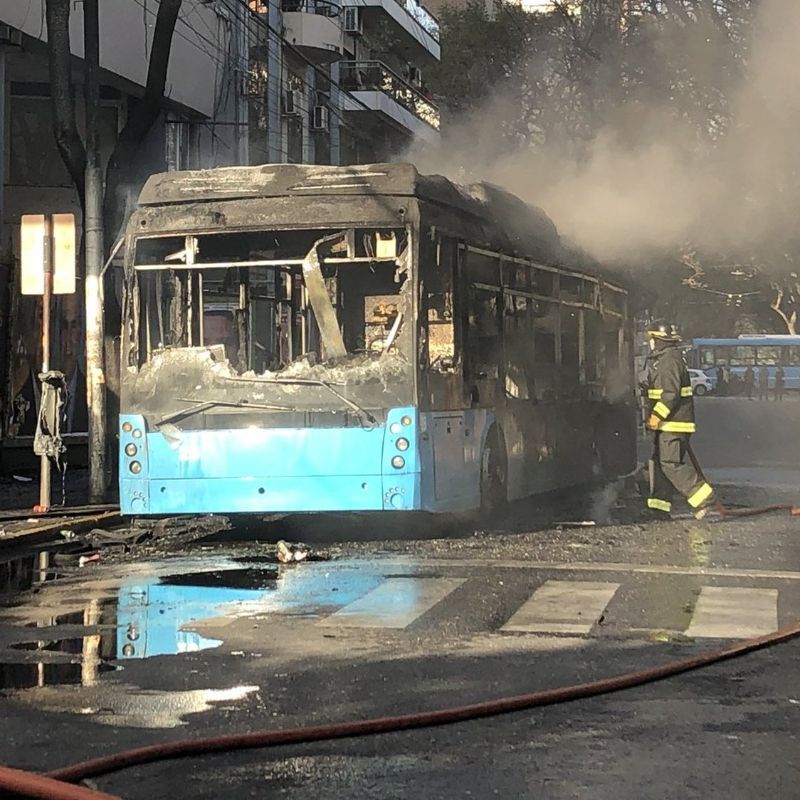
column 665, row 331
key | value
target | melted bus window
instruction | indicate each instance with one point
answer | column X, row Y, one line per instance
column 313, row 305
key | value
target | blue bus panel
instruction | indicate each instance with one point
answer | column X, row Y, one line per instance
column 256, row 470
column 756, row 351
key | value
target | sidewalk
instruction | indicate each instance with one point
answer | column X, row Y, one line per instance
column 44, row 528
column 20, row 493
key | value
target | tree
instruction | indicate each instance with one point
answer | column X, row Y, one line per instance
column 647, row 128
column 786, row 302
column 121, row 171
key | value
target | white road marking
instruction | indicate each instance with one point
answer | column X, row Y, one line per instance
column 396, row 603
column 725, row 612
column 563, row 607
column 601, row 566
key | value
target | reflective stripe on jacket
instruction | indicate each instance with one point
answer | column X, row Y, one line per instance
column 669, row 391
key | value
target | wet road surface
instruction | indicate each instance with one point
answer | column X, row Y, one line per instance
column 217, row 638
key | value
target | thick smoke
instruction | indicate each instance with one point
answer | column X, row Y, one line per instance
column 647, row 182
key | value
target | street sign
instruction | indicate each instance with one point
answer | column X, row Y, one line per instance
column 47, row 243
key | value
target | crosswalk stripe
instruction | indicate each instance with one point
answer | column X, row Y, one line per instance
column 725, row 612
column 562, row 607
column 396, row 603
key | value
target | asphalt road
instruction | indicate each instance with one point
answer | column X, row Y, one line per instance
column 216, row 638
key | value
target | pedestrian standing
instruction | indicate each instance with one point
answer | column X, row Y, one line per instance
column 720, row 381
column 749, row 381
column 779, row 383
column 669, row 391
column 763, row 383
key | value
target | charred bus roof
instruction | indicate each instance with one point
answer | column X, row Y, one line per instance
column 232, row 197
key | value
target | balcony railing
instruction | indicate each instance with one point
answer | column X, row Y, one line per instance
column 374, row 76
column 322, row 7
column 424, row 17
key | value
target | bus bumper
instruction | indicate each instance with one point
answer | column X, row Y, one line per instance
column 269, row 471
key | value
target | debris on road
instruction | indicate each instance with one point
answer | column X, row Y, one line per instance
column 587, row 523
column 289, row 553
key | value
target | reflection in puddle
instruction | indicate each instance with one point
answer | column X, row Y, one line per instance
column 24, row 572
column 29, row 675
column 75, row 640
column 152, row 616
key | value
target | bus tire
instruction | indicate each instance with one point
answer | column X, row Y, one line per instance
column 494, row 473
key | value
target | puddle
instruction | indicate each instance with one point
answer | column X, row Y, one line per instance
column 71, row 634
column 25, row 572
column 155, row 615
column 29, row 675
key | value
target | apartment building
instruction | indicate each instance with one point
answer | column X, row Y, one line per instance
column 249, row 82
column 340, row 82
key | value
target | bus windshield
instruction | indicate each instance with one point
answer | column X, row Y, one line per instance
column 294, row 321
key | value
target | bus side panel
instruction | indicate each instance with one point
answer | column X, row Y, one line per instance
column 451, row 447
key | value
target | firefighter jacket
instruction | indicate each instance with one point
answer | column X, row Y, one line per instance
column 669, row 391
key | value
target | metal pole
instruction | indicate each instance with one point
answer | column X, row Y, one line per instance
column 93, row 237
column 44, row 461
column 2, row 143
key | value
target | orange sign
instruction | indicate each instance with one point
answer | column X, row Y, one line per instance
column 35, row 242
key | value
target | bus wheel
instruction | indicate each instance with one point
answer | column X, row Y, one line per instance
column 494, row 471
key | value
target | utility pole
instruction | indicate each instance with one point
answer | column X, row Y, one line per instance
column 93, row 237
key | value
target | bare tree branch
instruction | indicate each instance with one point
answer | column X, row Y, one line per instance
column 65, row 128
column 790, row 317
column 143, row 115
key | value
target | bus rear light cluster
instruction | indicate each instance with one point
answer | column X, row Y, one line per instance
column 396, row 427
column 135, row 467
column 130, row 450
column 402, row 444
column 398, row 462
column 127, row 427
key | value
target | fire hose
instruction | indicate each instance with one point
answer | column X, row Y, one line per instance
column 57, row 785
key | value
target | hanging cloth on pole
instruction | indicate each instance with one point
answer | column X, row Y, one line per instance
column 47, row 441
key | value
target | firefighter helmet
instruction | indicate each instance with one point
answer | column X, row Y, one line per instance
column 663, row 331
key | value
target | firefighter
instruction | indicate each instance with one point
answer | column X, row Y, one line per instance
column 671, row 418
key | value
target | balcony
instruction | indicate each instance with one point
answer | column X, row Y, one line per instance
column 314, row 28
column 416, row 30
column 374, row 85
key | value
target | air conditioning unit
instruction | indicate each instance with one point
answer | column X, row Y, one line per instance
column 321, row 118
column 291, row 103
column 10, row 37
column 353, row 23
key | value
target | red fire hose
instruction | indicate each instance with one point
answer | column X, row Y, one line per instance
column 29, row 784
column 57, row 784
column 52, row 785
column 794, row 511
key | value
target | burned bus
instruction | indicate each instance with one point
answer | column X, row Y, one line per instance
column 305, row 338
